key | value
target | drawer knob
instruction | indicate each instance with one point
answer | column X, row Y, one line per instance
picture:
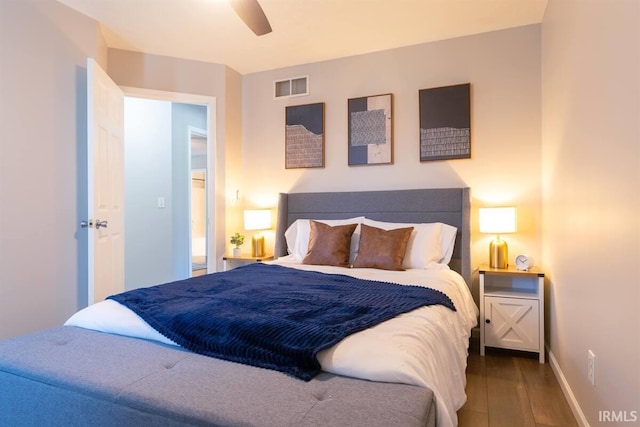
column 487, row 320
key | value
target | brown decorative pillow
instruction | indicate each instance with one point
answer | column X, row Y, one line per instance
column 383, row 249
column 329, row 245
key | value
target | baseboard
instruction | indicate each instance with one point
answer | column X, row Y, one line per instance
column 566, row 390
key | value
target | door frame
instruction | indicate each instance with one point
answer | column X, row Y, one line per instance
column 192, row 130
column 215, row 166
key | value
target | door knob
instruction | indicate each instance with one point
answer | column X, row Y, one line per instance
column 101, row 224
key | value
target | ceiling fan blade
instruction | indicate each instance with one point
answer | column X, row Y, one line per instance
column 252, row 15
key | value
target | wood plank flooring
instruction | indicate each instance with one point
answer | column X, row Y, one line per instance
column 507, row 388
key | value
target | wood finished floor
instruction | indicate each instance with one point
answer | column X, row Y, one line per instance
column 507, row 389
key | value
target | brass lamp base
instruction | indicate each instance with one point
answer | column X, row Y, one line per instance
column 257, row 245
column 498, row 254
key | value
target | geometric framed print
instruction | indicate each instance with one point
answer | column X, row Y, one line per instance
column 445, row 123
column 304, row 136
column 370, row 130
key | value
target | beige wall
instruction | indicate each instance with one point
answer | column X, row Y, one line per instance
column 43, row 55
column 233, row 160
column 163, row 73
column 591, row 202
column 503, row 68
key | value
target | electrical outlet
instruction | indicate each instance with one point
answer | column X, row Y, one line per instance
column 591, row 367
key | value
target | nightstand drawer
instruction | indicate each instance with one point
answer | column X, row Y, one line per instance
column 512, row 323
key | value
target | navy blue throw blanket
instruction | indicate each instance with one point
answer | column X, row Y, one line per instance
column 272, row 316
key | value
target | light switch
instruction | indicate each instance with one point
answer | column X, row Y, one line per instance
column 161, row 203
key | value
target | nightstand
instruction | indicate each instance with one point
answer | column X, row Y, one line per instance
column 228, row 261
column 512, row 309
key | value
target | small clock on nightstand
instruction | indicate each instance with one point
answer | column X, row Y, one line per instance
column 523, row 262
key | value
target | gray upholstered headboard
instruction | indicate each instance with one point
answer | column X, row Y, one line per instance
column 447, row 205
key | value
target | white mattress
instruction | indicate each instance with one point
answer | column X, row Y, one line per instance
column 425, row 347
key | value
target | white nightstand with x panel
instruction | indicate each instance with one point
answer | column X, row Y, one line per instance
column 512, row 309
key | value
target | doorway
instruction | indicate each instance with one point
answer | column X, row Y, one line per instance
column 161, row 138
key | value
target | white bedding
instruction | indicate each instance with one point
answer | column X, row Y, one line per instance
column 425, row 347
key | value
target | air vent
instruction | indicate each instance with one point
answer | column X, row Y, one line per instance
column 297, row 86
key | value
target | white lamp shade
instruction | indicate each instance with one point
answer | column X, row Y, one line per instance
column 498, row 220
column 258, row 219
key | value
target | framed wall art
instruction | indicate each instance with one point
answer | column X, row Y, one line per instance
column 445, row 123
column 370, row 130
column 304, row 136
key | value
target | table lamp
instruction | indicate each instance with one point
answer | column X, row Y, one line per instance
column 257, row 219
column 498, row 221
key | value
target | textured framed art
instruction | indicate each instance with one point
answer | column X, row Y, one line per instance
column 304, row 136
column 370, row 130
column 445, row 123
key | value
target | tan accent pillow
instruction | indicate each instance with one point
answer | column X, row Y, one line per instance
column 329, row 245
column 382, row 249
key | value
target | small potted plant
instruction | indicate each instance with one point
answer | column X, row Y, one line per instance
column 237, row 240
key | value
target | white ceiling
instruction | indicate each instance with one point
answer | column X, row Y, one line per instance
column 304, row 31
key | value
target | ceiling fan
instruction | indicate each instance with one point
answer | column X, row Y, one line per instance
column 252, row 15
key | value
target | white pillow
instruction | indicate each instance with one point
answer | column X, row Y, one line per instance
column 448, row 242
column 424, row 246
column 297, row 236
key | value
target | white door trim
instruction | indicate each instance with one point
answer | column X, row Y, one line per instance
column 191, row 130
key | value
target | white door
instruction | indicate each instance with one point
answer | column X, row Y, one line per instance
column 511, row 323
column 105, row 128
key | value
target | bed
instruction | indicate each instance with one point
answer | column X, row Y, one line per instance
column 72, row 375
